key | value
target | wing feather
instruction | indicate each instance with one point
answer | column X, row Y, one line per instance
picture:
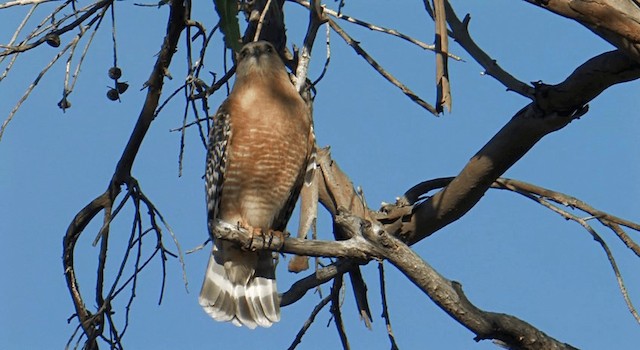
column 216, row 164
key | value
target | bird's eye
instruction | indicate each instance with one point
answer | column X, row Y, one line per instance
column 244, row 53
column 269, row 49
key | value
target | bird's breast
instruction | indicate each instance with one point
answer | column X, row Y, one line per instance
column 266, row 158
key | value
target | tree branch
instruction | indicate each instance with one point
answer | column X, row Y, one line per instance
column 358, row 49
column 448, row 295
column 460, row 33
column 92, row 324
column 555, row 107
column 375, row 27
column 443, row 88
column 374, row 242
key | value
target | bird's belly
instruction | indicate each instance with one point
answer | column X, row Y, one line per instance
column 260, row 178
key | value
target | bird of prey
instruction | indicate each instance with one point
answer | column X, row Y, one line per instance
column 258, row 152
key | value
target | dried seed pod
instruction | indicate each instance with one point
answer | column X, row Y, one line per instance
column 64, row 103
column 115, row 73
column 122, row 87
column 53, row 40
column 113, row 94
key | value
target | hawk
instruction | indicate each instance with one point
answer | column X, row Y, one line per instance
column 258, row 152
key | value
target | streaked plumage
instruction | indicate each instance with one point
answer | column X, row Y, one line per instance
column 258, row 152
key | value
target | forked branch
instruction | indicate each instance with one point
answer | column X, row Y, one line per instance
column 93, row 324
column 369, row 239
column 554, row 108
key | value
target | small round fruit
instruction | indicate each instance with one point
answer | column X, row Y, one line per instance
column 53, row 40
column 113, row 94
column 115, row 73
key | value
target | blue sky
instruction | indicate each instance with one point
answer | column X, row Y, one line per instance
column 510, row 255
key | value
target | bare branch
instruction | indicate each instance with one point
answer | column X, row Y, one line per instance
column 374, row 243
column 22, row 3
column 460, row 33
column 354, row 44
column 316, row 19
column 70, row 48
column 321, row 276
column 449, row 296
column 446, row 294
column 375, row 28
column 554, row 108
column 263, row 14
column 93, row 324
column 337, row 313
column 611, row 221
column 57, row 32
column 33, row 85
column 325, row 67
column 309, row 321
column 351, row 248
column 540, row 195
column 443, row 88
column 385, row 307
column 12, row 41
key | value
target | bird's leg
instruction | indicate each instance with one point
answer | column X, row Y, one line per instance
column 267, row 235
column 271, row 234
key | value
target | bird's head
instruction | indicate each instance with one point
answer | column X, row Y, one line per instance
column 259, row 57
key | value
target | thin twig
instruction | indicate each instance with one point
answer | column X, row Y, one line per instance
column 621, row 285
column 197, row 121
column 261, row 20
column 23, row 3
column 24, row 47
column 33, row 85
column 76, row 72
column 309, row 321
column 325, row 67
column 385, row 307
column 335, row 311
column 605, row 218
column 13, row 39
column 375, row 27
column 354, row 44
column 460, row 32
column 543, row 196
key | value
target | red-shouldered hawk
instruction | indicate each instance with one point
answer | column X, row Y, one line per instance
column 259, row 149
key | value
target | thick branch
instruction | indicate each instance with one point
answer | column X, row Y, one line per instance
column 350, row 248
column 449, row 296
column 373, row 241
column 554, row 108
column 366, row 239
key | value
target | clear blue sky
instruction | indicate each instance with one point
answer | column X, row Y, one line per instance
column 511, row 255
